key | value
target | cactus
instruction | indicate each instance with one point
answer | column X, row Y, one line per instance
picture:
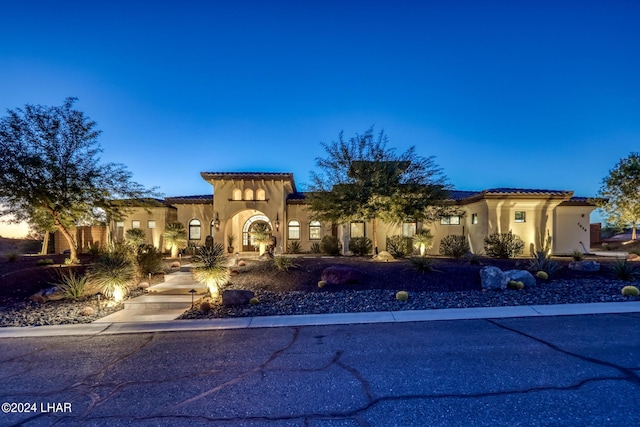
column 254, row 301
column 630, row 291
column 402, row 296
column 321, row 284
column 542, row 275
column 205, row 306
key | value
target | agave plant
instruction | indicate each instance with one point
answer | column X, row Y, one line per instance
column 423, row 241
column 135, row 237
column 175, row 237
column 211, row 268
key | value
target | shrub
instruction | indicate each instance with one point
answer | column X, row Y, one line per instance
column 70, row 285
column 94, row 249
column 473, row 259
column 543, row 275
column 148, row 260
column 400, row 246
column 254, row 301
column 454, row 246
column 205, row 306
column 114, row 273
column 503, row 245
column 402, row 296
column 44, row 261
column 577, row 255
column 423, row 241
column 623, row 270
column 294, row 247
column 330, row 245
column 211, row 268
column 630, row 291
column 315, row 248
column 541, row 262
column 284, row 263
column 422, row 264
column 13, row 256
column 360, row 245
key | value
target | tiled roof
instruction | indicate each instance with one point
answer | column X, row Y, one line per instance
column 461, row 195
column 296, row 196
column 230, row 175
column 204, row 198
column 527, row 191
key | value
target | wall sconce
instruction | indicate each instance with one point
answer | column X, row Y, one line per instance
column 277, row 222
column 216, row 223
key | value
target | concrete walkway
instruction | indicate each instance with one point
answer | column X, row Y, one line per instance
column 118, row 327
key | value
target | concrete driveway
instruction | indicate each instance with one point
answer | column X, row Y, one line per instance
column 570, row 370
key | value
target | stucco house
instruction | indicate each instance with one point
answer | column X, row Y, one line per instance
column 239, row 201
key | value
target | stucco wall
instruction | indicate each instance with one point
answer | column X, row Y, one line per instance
column 161, row 215
column 571, row 228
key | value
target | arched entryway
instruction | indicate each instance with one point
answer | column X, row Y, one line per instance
column 247, row 241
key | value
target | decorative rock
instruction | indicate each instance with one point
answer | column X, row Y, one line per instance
column 48, row 294
column 521, row 276
column 232, row 297
column 341, row 275
column 584, row 266
column 175, row 264
column 492, row 278
column 143, row 285
column 242, row 264
column 383, row 256
column 87, row 311
column 633, row 257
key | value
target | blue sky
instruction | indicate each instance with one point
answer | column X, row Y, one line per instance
column 527, row 94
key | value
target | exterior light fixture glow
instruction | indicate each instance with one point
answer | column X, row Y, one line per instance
column 216, row 222
column 277, row 222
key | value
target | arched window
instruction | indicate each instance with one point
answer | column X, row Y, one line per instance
column 260, row 194
column 294, row 230
column 248, row 194
column 315, row 230
column 194, row 229
column 237, row 194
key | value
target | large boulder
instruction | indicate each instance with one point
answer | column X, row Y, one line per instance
column 232, row 297
column 584, row 266
column 492, row 278
column 341, row 275
column 48, row 294
column 521, row 276
column 383, row 256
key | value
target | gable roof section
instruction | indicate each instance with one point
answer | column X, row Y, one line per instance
column 204, row 198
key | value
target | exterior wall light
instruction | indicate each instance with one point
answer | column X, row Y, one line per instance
column 216, row 223
column 277, row 222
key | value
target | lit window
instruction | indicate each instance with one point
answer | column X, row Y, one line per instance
column 409, row 229
column 474, row 218
column 151, row 224
column 120, row 224
column 237, row 194
column 294, row 229
column 357, row 229
column 260, row 194
column 450, row 220
column 315, row 230
column 194, row 229
column 135, row 224
column 520, row 216
column 248, row 194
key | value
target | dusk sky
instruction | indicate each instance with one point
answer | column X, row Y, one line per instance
column 526, row 94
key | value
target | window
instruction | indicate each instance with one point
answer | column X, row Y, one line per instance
column 474, row 218
column 119, row 224
column 450, row 220
column 237, row 194
column 357, row 229
column 248, row 194
column 409, row 229
column 260, row 194
column 194, row 229
column 151, row 224
column 315, row 230
column 135, row 224
column 520, row 216
column 294, row 230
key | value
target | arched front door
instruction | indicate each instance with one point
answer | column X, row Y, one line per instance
column 247, row 240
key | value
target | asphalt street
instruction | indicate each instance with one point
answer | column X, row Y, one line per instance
column 569, row 370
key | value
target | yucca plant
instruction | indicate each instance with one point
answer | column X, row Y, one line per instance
column 71, row 285
column 541, row 256
column 114, row 273
column 623, row 270
column 423, row 241
column 175, row 237
column 261, row 235
column 422, row 264
column 148, row 260
column 134, row 237
column 284, row 263
column 211, row 268
column 294, row 247
column 315, row 248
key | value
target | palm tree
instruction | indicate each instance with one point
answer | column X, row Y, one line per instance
column 175, row 236
column 423, row 240
column 135, row 237
column 261, row 236
column 211, row 268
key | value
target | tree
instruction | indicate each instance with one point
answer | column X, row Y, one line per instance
column 50, row 171
column 261, row 236
column 175, row 236
column 620, row 193
column 362, row 179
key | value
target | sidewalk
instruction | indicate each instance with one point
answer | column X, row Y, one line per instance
column 106, row 328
